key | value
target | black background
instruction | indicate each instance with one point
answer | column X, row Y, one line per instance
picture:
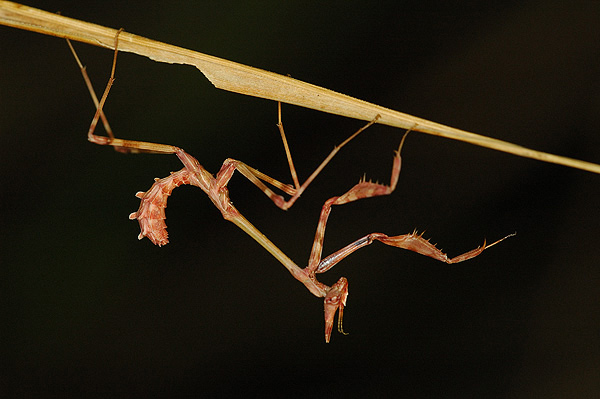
column 87, row 308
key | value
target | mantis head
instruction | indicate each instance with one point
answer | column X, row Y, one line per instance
column 335, row 298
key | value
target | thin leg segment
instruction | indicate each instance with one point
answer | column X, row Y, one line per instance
column 286, row 147
column 364, row 189
column 413, row 242
column 257, row 178
column 126, row 146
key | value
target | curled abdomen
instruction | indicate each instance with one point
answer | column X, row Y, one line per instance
column 151, row 213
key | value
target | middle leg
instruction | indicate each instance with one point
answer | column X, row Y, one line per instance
column 259, row 179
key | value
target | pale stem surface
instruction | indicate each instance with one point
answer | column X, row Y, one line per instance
column 238, row 78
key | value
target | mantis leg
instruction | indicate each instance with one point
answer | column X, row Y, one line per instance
column 335, row 300
column 259, row 179
column 125, row 146
column 336, row 297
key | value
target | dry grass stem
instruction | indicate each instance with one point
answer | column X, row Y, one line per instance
column 238, row 78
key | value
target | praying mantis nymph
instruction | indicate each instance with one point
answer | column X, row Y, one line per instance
column 151, row 213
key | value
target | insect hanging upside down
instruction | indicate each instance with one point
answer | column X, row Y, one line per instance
column 151, row 213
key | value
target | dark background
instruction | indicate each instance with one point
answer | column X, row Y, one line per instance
column 87, row 308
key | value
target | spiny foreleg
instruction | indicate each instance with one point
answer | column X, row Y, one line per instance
column 335, row 299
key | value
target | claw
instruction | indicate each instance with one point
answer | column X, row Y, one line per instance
column 334, row 300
